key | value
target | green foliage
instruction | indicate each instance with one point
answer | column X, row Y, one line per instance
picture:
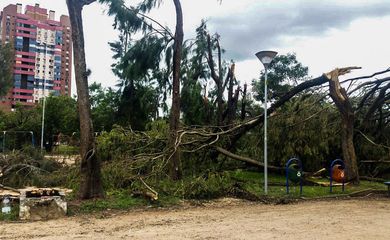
column 284, row 72
column 138, row 106
column 2, row 121
column 198, row 101
column 306, row 127
column 104, row 104
column 142, row 80
column 22, row 119
column 127, row 19
column 6, row 65
column 120, row 143
column 26, row 168
column 118, row 174
column 60, row 117
column 214, row 185
column 196, row 109
column 13, row 216
column 139, row 63
column 205, row 186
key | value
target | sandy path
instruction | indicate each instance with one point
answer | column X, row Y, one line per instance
column 225, row 219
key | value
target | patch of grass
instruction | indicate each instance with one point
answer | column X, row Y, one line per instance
column 66, row 150
column 166, row 201
column 13, row 216
column 117, row 200
column 253, row 182
column 250, row 176
column 212, row 185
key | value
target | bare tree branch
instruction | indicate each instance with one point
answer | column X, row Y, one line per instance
column 246, row 159
column 86, row 2
column 380, row 81
column 368, row 76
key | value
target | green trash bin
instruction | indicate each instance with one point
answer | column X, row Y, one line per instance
column 294, row 174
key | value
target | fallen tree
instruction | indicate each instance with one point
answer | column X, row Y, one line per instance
column 223, row 139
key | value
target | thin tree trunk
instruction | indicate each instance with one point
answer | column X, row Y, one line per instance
column 243, row 103
column 344, row 106
column 230, row 97
column 175, row 166
column 217, row 78
column 219, row 87
column 90, row 182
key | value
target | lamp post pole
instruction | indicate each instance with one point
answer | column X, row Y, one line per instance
column 43, row 113
column 44, row 101
column 265, row 134
column 265, row 58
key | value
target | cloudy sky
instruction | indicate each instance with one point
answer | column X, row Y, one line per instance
column 323, row 34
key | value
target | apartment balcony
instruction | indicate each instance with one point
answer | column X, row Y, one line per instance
column 25, row 21
column 26, row 97
column 20, row 65
column 21, row 90
column 31, row 73
column 21, row 59
column 31, row 30
column 31, row 54
column 19, row 34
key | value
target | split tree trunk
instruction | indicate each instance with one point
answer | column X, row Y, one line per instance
column 90, row 182
column 348, row 119
column 174, row 123
column 341, row 99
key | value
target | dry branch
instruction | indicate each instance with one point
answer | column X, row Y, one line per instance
column 246, row 159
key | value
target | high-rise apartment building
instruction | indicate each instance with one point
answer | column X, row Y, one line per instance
column 43, row 54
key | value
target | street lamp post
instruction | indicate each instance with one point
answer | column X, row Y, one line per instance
column 43, row 114
column 265, row 58
column 44, row 101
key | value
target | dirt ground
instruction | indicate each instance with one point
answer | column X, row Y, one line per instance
column 223, row 219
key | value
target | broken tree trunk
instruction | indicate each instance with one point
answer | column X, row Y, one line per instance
column 348, row 117
column 341, row 99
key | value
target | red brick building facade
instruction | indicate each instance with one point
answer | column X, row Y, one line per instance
column 43, row 54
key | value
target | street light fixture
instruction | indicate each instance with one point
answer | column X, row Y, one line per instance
column 265, row 58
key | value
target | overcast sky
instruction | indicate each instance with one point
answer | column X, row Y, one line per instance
column 323, row 34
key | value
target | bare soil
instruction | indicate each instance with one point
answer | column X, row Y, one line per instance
column 222, row 219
